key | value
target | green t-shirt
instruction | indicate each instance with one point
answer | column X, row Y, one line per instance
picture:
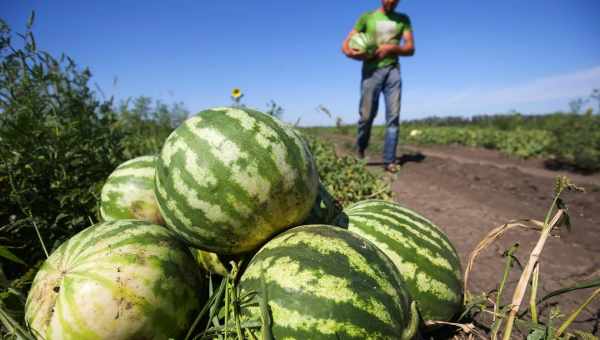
column 385, row 29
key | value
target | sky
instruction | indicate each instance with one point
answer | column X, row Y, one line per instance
column 472, row 57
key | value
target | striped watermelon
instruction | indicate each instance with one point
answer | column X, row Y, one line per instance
column 325, row 209
column 129, row 192
column 363, row 43
column 123, row 279
column 324, row 282
column 422, row 252
column 229, row 178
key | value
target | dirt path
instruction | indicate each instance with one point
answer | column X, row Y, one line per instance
column 468, row 192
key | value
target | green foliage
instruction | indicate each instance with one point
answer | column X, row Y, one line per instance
column 565, row 140
column 146, row 126
column 520, row 142
column 346, row 178
column 577, row 142
column 57, row 145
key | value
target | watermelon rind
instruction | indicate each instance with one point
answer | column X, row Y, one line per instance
column 124, row 279
column 363, row 43
column 229, row 178
column 422, row 252
column 324, row 282
column 128, row 192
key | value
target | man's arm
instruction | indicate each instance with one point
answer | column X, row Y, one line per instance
column 350, row 53
column 407, row 49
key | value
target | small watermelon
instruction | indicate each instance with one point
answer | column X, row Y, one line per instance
column 129, row 192
column 125, row 279
column 230, row 178
column 363, row 43
column 324, row 282
column 428, row 262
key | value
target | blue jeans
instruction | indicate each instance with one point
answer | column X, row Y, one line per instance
column 386, row 79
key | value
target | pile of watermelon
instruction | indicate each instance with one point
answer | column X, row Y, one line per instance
column 237, row 183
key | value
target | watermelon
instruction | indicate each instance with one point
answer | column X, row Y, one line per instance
column 229, row 178
column 363, row 43
column 324, row 282
column 125, row 279
column 128, row 193
column 326, row 208
column 428, row 262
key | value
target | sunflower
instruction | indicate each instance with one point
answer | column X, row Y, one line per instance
column 236, row 93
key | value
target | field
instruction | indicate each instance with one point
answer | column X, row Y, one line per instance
column 468, row 191
column 59, row 143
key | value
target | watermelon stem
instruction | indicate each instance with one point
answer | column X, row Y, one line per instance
column 210, row 304
column 12, row 326
column 37, row 231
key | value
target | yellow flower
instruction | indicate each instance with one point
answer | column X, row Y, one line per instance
column 236, row 93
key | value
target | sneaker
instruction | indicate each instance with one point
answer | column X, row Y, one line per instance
column 391, row 168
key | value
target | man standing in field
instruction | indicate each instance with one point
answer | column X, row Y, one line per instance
column 393, row 34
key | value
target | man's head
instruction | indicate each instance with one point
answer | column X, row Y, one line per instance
column 389, row 6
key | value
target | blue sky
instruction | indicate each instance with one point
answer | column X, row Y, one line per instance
column 471, row 57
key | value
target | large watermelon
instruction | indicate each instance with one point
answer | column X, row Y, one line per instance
column 324, row 282
column 129, row 192
column 229, row 178
column 123, row 279
column 422, row 252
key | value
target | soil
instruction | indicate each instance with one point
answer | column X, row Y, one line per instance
column 468, row 191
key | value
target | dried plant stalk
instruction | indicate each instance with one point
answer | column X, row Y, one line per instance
column 519, row 292
column 490, row 238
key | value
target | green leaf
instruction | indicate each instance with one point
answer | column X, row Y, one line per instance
column 4, row 252
column 537, row 334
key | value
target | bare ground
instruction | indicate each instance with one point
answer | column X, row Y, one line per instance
column 468, row 192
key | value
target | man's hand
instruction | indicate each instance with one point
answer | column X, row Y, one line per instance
column 356, row 55
column 385, row 50
column 407, row 49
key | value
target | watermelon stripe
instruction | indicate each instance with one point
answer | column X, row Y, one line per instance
column 129, row 192
column 383, row 218
column 118, row 279
column 288, row 275
column 417, row 220
column 76, row 326
column 326, row 247
column 426, row 230
column 241, row 194
column 415, row 260
column 405, row 237
column 169, row 215
column 92, row 241
column 218, row 175
column 302, row 326
column 427, row 260
column 346, row 313
column 323, row 281
column 431, row 232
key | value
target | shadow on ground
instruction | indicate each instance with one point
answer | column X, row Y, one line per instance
column 405, row 158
